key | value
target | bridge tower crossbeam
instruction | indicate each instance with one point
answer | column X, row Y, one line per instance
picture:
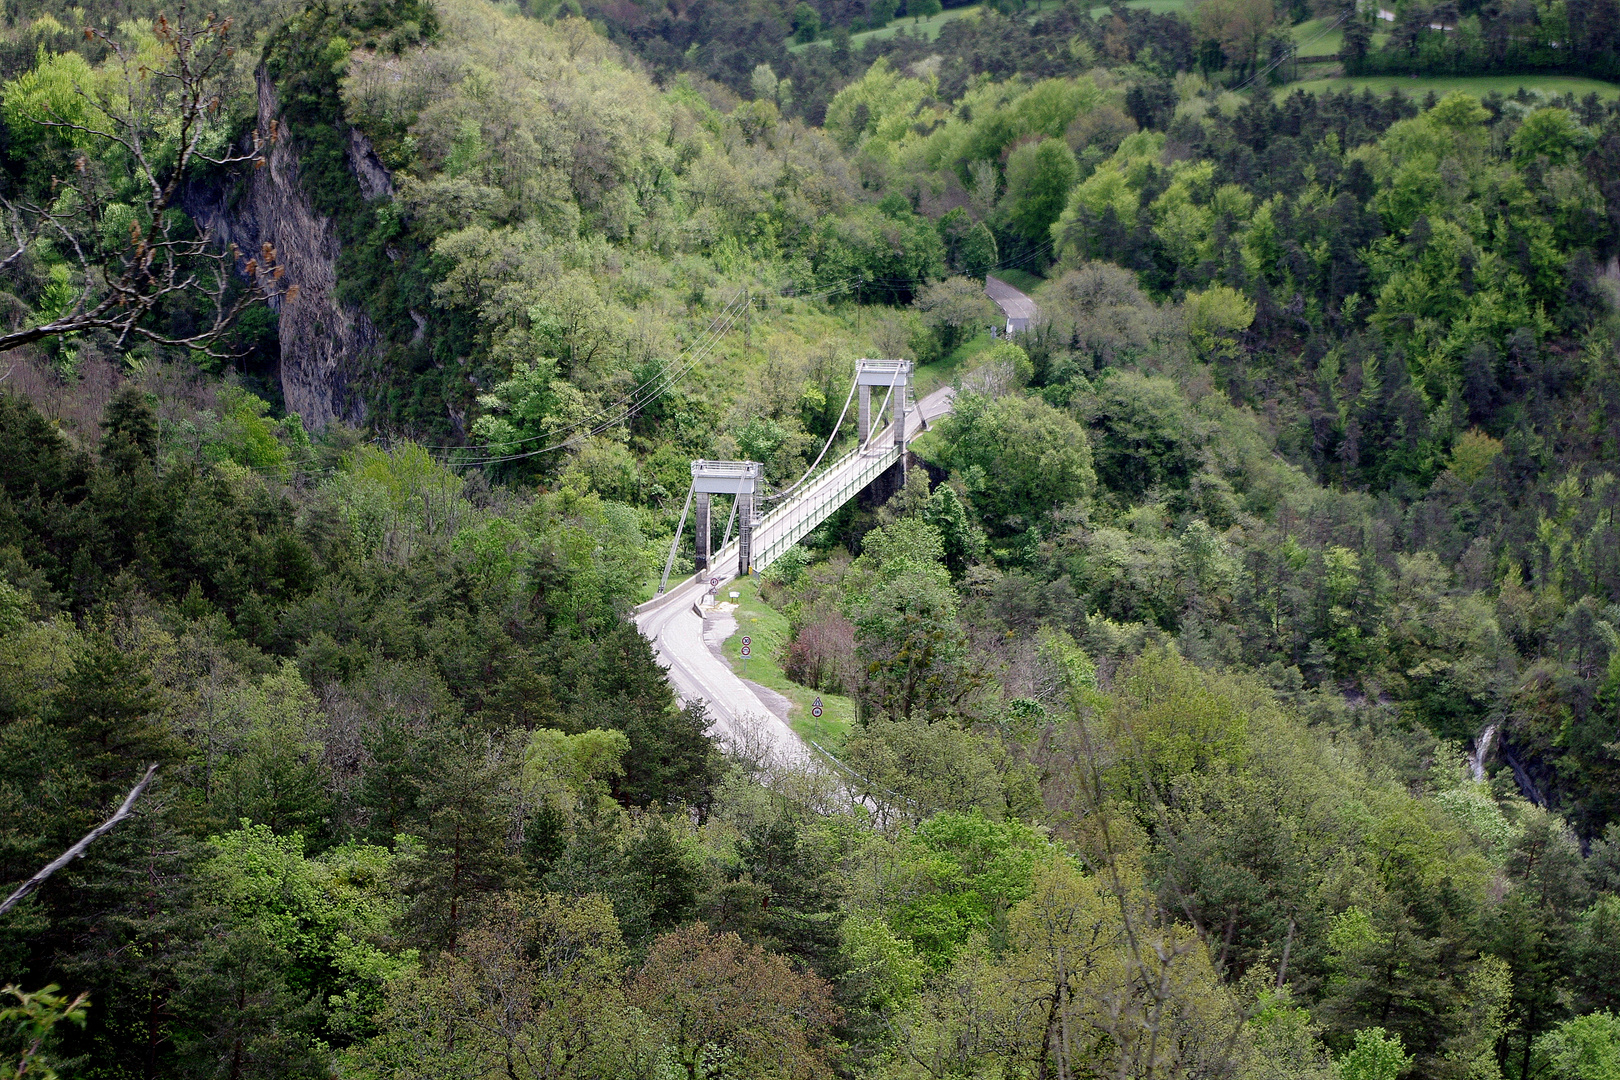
column 894, row 377
column 744, row 480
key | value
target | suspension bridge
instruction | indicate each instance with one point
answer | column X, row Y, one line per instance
column 768, row 525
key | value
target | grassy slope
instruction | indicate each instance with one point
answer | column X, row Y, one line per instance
column 943, row 372
column 929, row 28
column 786, row 328
column 768, row 629
column 1477, row 84
column 1022, row 280
column 1158, row 7
column 1316, row 40
column 929, row 447
column 926, row 28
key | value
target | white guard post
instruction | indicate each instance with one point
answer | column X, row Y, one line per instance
column 743, row 479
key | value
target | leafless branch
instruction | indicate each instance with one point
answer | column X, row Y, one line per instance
column 78, row 849
column 163, row 258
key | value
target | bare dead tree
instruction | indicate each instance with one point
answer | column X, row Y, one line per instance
column 162, row 123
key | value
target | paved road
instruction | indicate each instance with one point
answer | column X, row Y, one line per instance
column 675, row 625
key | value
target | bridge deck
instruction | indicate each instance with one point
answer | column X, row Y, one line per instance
column 676, row 628
column 799, row 515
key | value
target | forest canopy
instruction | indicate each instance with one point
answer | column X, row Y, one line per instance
column 1230, row 686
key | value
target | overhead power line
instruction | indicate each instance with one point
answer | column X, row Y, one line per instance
column 671, row 373
column 663, row 370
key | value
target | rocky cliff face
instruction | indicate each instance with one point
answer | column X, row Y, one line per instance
column 325, row 345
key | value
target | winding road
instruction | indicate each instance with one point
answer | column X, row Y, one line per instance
column 674, row 622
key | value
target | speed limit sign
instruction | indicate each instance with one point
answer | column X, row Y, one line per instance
column 815, row 709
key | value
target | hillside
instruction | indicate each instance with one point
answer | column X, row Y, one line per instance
column 1232, row 689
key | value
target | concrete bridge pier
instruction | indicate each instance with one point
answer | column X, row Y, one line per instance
column 745, row 534
column 891, row 378
column 742, row 479
column 702, row 534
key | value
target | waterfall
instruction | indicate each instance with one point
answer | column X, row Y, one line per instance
column 1482, row 750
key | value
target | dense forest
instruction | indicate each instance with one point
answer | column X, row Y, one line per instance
column 1234, row 680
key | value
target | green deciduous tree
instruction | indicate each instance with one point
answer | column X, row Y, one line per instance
column 1239, row 25
column 1585, row 1048
column 913, row 649
column 1376, row 1055
column 125, row 140
column 32, row 1019
column 959, row 543
column 1215, row 319
column 907, row 635
column 1039, row 176
column 955, row 309
column 1019, row 458
column 274, row 774
column 806, row 23
column 534, row 991
column 1550, row 133
column 1097, row 312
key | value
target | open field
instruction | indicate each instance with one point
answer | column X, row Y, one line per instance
column 1158, row 7
column 929, row 28
column 1479, row 85
column 1315, row 39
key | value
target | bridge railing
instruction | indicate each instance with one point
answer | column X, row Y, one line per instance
column 788, row 524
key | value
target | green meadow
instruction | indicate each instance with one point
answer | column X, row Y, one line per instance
column 1479, row 85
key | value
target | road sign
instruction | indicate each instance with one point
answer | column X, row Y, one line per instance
column 745, row 651
column 735, row 594
column 747, row 640
column 714, row 583
column 815, row 710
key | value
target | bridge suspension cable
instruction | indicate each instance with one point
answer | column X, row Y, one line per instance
column 669, row 384
column 704, row 341
column 893, row 379
column 853, row 386
column 785, row 492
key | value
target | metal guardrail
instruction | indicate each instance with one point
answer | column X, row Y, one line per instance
column 789, row 524
column 775, row 533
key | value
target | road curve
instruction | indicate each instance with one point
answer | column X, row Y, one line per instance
column 674, row 624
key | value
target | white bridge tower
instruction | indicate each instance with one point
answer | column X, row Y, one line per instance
column 744, row 480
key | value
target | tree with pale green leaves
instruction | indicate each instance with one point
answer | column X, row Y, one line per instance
column 1584, row 1048
column 955, row 309
column 1039, row 178
column 1376, row 1055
